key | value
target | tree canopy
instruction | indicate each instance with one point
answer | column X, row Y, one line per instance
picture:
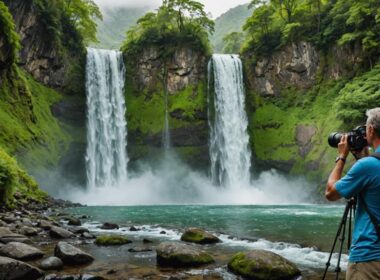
column 323, row 22
column 175, row 22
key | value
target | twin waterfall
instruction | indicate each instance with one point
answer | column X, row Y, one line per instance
column 229, row 141
column 106, row 157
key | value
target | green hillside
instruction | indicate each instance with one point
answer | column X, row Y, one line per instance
column 231, row 21
column 112, row 30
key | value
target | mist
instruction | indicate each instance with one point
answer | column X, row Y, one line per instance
column 173, row 182
column 214, row 7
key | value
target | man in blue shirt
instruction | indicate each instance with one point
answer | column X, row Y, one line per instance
column 362, row 179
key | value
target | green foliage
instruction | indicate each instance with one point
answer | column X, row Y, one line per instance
column 357, row 96
column 14, row 179
column 324, row 22
column 7, row 30
column 176, row 23
column 229, row 22
column 232, row 42
column 69, row 23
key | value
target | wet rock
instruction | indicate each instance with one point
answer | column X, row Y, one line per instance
column 175, row 254
column 162, row 232
column 29, row 231
column 145, row 240
column 139, row 249
column 199, row 236
column 109, row 226
column 78, row 230
column 9, row 219
column 6, row 236
column 70, row 254
column 60, row 233
column 73, row 221
column 51, row 263
column 108, row 240
column 91, row 277
column 87, row 235
column 261, row 265
column 46, row 225
column 20, row 251
column 11, row 269
column 133, row 228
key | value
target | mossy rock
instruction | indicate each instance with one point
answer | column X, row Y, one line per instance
column 261, row 265
column 110, row 240
column 173, row 254
column 196, row 235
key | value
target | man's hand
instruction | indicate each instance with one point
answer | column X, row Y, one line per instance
column 343, row 147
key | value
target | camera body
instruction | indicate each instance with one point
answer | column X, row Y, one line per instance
column 356, row 138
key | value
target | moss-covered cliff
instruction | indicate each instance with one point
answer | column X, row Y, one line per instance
column 151, row 76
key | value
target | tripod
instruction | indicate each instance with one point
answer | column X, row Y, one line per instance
column 341, row 235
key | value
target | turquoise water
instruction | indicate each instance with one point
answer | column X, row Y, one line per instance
column 302, row 233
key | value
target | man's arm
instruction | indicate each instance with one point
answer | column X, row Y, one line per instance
column 331, row 192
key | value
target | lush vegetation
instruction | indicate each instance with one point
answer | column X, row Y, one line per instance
column 276, row 23
column 176, row 23
column 230, row 22
column 7, row 31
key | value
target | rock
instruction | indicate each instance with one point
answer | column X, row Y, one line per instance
column 109, row 226
column 7, row 236
column 70, row 254
column 11, row 269
column 20, row 251
column 78, row 230
column 139, row 249
column 133, row 228
column 74, row 221
column 46, row 225
column 162, row 232
column 261, row 265
column 91, row 277
column 51, row 263
column 175, row 254
column 9, row 219
column 107, row 240
column 303, row 137
column 145, row 240
column 199, row 236
column 87, row 235
column 29, row 231
column 57, row 232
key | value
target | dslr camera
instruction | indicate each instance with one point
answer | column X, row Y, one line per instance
column 356, row 138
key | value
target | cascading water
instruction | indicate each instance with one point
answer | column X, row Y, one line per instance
column 229, row 141
column 106, row 158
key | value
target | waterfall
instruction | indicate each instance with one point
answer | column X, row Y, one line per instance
column 229, row 141
column 166, row 132
column 106, row 157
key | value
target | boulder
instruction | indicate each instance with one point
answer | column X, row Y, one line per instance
column 107, row 240
column 73, row 221
column 78, row 230
column 51, row 263
column 133, row 228
column 199, row 236
column 87, row 235
column 46, row 225
column 20, row 251
column 29, row 231
column 6, row 236
column 11, row 269
column 261, row 265
column 139, row 249
column 175, row 254
column 60, row 233
column 109, row 226
column 70, row 254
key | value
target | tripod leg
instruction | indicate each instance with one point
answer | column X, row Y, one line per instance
column 342, row 223
column 338, row 269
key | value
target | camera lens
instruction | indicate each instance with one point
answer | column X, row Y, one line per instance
column 334, row 139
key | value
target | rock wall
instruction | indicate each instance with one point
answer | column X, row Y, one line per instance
column 291, row 106
column 182, row 75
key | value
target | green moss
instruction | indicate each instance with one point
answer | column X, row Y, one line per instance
column 14, row 179
column 108, row 240
column 7, row 30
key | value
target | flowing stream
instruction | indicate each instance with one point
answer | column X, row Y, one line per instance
column 229, row 141
column 106, row 157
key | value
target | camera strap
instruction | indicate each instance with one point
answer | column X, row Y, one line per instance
column 376, row 155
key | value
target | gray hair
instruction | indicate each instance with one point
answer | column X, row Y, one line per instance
column 374, row 119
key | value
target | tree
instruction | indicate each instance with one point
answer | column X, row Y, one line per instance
column 233, row 42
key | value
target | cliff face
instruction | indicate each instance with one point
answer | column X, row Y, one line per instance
column 181, row 76
column 292, row 104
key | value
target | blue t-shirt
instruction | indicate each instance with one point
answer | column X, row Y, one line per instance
column 364, row 178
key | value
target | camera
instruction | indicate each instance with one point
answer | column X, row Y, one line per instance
column 356, row 138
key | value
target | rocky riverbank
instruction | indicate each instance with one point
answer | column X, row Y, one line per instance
column 47, row 242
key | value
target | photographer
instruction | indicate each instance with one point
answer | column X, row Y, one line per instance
column 363, row 182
